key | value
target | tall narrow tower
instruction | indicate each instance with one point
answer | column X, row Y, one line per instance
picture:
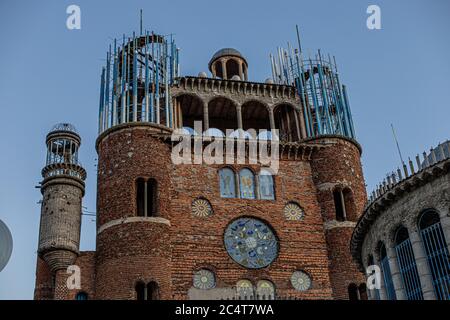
column 62, row 190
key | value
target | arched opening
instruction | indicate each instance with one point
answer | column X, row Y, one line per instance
column 287, row 122
column 265, row 290
column 232, row 69
column 227, row 183
column 222, row 114
column 247, row 184
column 188, row 109
column 266, row 185
column 217, row 66
column 407, row 265
column 141, row 292
column 353, row 293
column 436, row 249
column 245, row 290
column 152, row 291
column 81, row 296
column 386, row 271
column 146, row 197
column 255, row 115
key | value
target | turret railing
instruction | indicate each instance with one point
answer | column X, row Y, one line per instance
column 436, row 155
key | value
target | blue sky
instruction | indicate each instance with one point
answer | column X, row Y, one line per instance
column 49, row 74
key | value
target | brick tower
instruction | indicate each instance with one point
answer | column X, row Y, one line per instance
column 62, row 190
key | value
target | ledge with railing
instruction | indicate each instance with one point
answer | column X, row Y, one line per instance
column 436, row 155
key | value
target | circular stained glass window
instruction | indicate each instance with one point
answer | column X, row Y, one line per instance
column 204, row 279
column 301, row 281
column 251, row 243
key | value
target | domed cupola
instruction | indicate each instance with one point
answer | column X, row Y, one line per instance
column 228, row 63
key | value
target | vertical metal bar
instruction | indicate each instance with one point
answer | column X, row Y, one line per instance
column 102, row 92
column 135, row 106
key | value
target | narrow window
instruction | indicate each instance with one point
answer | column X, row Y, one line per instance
column 141, row 292
column 407, row 265
column 435, row 246
column 152, row 291
column 140, row 197
column 227, row 183
column 146, row 197
column 362, row 290
column 353, row 292
column 247, row 184
column 266, row 187
column 349, row 205
column 387, row 276
column 339, row 205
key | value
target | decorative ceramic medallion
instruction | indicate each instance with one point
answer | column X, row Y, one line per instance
column 204, row 279
column 201, row 208
column 292, row 211
column 251, row 243
column 301, row 281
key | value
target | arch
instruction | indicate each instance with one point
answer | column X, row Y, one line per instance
column 407, row 264
column 141, row 292
column 265, row 290
column 386, row 272
column 247, row 184
column 146, row 197
column 227, row 182
column 436, row 249
column 222, row 114
column 266, row 185
column 286, row 120
column 245, row 289
column 353, row 292
column 255, row 115
column 152, row 291
column 188, row 108
column 81, row 296
column 232, row 67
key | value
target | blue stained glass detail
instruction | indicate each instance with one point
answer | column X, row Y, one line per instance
column 266, row 190
column 247, row 184
column 227, row 183
column 251, row 243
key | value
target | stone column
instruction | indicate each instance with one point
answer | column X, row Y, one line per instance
column 271, row 119
column 395, row 272
column 426, row 279
column 239, row 117
column 213, row 70
column 241, row 72
column 205, row 117
column 224, row 68
column 245, row 74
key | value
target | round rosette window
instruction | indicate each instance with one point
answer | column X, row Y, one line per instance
column 301, row 281
column 251, row 243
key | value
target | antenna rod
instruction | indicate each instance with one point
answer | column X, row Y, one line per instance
column 298, row 39
column 141, row 24
column 396, row 141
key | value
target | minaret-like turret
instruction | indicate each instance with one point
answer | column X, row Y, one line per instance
column 62, row 190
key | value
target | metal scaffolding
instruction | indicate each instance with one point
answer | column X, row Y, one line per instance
column 136, row 80
column 324, row 101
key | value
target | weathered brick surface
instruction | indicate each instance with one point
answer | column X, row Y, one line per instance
column 338, row 165
column 170, row 248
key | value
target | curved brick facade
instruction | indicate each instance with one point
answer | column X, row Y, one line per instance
column 338, row 166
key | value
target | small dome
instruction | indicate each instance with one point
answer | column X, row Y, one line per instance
column 236, row 78
column 269, row 80
column 202, row 74
column 226, row 52
column 64, row 127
